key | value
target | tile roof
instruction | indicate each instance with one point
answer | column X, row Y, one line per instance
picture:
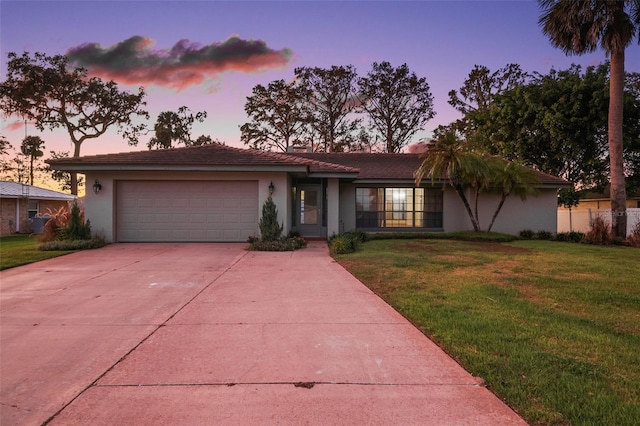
column 393, row 166
column 16, row 190
column 605, row 194
column 371, row 165
column 367, row 166
column 205, row 156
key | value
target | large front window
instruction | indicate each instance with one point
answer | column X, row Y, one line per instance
column 398, row 208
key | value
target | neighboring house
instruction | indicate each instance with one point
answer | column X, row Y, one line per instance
column 602, row 200
column 19, row 203
column 597, row 204
column 216, row 193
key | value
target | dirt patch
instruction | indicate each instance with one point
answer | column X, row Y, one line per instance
column 422, row 246
column 504, row 248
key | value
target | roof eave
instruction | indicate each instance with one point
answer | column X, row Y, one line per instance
column 338, row 175
column 180, row 168
column 31, row 197
column 424, row 183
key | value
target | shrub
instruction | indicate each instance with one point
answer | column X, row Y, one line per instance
column 360, row 236
column 346, row 242
column 260, row 245
column 283, row 244
column 599, row 233
column 65, row 224
column 572, row 237
column 270, row 229
column 341, row 244
column 271, row 233
column 633, row 240
column 63, row 245
column 52, row 229
column 527, row 234
column 544, row 235
column 76, row 228
column 296, row 242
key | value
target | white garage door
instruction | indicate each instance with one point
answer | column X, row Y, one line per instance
column 150, row 211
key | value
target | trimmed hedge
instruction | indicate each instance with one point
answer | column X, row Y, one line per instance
column 283, row 244
column 72, row 244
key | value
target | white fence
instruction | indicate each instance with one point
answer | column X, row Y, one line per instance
column 580, row 220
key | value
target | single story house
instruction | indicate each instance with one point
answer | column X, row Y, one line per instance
column 19, row 203
column 216, row 193
column 601, row 200
column 597, row 204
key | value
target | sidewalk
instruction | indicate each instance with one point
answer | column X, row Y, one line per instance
column 212, row 334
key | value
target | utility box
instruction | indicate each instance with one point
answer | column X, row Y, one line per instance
column 37, row 223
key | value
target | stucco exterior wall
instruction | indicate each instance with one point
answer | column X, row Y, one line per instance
column 101, row 208
column 536, row 213
column 347, row 207
column 333, row 207
column 454, row 214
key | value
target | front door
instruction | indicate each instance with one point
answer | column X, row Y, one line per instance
column 309, row 210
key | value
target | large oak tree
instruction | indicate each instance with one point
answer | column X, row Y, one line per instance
column 48, row 91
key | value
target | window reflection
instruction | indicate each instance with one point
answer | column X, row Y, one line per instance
column 398, row 208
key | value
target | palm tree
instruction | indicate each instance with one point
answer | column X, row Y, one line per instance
column 577, row 27
column 32, row 147
column 448, row 158
column 511, row 178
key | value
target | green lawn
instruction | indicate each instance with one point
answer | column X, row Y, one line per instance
column 19, row 250
column 553, row 328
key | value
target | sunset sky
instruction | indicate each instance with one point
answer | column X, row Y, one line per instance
column 232, row 46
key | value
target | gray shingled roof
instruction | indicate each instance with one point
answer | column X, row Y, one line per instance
column 17, row 190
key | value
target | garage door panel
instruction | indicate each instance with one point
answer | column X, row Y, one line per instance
column 161, row 202
column 186, row 210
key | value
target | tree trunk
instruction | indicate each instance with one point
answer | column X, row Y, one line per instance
column 474, row 222
column 618, row 191
column 74, row 176
column 493, row 219
column 31, row 172
column 476, row 194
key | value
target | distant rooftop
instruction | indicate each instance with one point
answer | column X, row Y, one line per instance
column 17, row 190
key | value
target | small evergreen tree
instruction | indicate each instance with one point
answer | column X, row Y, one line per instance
column 270, row 229
column 76, row 228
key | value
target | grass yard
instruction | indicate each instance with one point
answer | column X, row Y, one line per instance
column 19, row 250
column 553, row 328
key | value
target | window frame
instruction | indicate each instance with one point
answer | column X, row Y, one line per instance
column 385, row 208
column 33, row 212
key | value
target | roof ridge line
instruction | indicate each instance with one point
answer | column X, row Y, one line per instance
column 304, row 161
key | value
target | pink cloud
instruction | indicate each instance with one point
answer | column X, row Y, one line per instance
column 133, row 61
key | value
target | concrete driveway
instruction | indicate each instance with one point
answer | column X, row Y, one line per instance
column 212, row 334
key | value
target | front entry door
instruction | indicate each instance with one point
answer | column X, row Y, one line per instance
column 309, row 210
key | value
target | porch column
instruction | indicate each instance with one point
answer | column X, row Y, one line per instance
column 333, row 206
